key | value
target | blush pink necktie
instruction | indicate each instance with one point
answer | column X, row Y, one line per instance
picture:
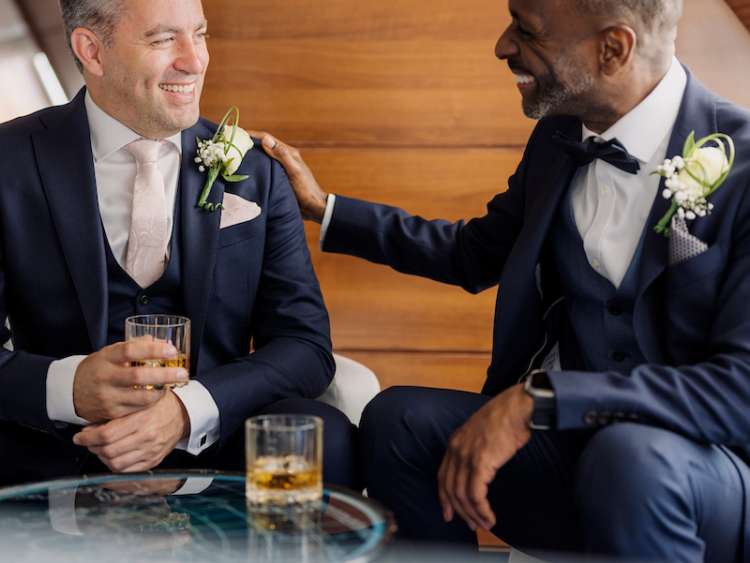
column 149, row 227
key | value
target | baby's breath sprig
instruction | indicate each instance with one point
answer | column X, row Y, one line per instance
column 222, row 156
column 694, row 176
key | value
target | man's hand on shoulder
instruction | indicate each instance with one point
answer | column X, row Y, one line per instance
column 106, row 386
column 477, row 450
column 311, row 198
column 138, row 441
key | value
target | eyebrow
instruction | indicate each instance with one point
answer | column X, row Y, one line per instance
column 520, row 19
column 159, row 29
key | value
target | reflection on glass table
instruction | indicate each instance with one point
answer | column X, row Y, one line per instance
column 138, row 518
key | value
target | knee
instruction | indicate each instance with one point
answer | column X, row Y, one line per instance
column 393, row 416
column 629, row 466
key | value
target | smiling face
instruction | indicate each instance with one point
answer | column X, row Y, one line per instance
column 152, row 71
column 553, row 54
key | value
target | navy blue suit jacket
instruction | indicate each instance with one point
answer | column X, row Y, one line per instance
column 251, row 280
column 692, row 320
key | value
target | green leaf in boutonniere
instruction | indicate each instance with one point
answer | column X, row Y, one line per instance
column 691, row 178
column 222, row 156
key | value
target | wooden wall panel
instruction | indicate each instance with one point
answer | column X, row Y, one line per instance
column 465, row 372
column 366, row 73
column 405, row 103
column 742, row 9
column 716, row 46
column 400, row 312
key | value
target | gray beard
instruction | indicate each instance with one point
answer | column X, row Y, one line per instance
column 562, row 97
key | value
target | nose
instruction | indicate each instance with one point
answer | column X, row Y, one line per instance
column 506, row 47
column 192, row 58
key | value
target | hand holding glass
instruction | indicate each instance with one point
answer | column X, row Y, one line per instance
column 167, row 328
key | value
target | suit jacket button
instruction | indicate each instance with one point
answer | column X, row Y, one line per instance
column 614, row 308
column 144, row 299
column 590, row 418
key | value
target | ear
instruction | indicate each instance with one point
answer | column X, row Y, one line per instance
column 617, row 49
column 88, row 49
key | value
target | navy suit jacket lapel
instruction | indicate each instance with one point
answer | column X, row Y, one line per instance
column 66, row 169
column 556, row 174
column 200, row 235
column 697, row 113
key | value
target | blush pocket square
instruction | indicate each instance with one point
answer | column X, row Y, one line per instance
column 682, row 244
column 237, row 210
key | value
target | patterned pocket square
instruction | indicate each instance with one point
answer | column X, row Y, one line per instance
column 237, row 210
column 683, row 245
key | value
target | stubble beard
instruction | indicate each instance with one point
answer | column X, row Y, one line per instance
column 561, row 91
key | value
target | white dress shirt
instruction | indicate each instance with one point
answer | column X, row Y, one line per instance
column 611, row 206
column 115, row 170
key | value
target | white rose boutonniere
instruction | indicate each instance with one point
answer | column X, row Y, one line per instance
column 694, row 176
column 222, row 155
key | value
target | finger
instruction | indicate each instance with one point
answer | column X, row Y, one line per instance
column 148, row 377
column 126, row 463
column 452, row 492
column 109, row 433
column 287, row 155
column 442, row 494
column 114, row 450
column 133, row 399
column 143, row 466
column 267, row 141
column 477, row 489
column 460, row 479
column 139, row 349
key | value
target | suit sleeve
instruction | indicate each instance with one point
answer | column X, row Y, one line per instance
column 470, row 255
column 708, row 401
column 23, row 377
column 291, row 331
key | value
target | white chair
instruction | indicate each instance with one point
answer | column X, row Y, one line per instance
column 353, row 386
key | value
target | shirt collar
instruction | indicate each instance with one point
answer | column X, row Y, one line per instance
column 643, row 129
column 109, row 135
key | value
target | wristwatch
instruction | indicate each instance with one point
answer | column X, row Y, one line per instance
column 539, row 387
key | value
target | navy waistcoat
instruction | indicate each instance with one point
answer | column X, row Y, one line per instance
column 599, row 315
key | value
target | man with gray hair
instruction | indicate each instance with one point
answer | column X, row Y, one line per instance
column 99, row 217
column 616, row 413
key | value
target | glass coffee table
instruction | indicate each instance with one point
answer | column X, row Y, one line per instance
column 138, row 517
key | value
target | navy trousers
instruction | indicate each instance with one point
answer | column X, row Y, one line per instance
column 627, row 490
column 34, row 456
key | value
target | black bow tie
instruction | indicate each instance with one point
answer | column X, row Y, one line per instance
column 586, row 152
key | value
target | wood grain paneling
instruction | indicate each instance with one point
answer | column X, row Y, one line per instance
column 403, row 312
column 715, row 45
column 366, row 73
column 406, row 104
column 742, row 9
column 465, row 372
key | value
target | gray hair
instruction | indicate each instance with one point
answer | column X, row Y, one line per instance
column 654, row 15
column 100, row 16
column 655, row 21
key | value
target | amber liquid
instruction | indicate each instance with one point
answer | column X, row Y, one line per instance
column 283, row 480
column 181, row 361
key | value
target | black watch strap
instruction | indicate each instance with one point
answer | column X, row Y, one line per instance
column 539, row 387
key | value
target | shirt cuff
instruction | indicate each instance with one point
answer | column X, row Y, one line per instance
column 194, row 485
column 203, row 414
column 60, row 377
column 330, row 202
